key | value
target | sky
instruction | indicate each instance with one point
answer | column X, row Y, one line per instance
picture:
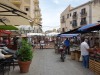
column 51, row 10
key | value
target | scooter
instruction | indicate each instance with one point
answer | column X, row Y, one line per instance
column 62, row 52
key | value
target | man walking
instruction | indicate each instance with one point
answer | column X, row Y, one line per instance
column 85, row 53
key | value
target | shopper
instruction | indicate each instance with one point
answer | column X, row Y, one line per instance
column 67, row 45
column 85, row 52
column 41, row 44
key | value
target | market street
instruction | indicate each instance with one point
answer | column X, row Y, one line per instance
column 46, row 62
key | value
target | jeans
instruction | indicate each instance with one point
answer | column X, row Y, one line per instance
column 85, row 61
column 67, row 50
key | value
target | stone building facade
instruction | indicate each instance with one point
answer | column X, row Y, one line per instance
column 84, row 14
column 31, row 7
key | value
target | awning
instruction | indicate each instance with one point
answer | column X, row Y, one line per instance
column 96, row 27
column 86, row 27
column 10, row 14
column 5, row 32
column 68, row 35
column 71, row 31
column 8, row 27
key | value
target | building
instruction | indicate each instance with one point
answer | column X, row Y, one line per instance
column 31, row 7
column 84, row 14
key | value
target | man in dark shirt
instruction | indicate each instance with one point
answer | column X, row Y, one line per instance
column 67, row 44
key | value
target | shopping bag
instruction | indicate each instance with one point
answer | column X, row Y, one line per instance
column 81, row 58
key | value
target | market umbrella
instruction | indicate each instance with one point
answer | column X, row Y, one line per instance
column 8, row 27
column 35, row 34
column 52, row 34
column 11, row 15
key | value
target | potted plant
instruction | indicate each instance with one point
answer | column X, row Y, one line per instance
column 25, row 55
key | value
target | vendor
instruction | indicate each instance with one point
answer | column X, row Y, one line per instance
column 85, row 52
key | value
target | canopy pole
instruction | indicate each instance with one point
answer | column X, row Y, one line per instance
column 99, row 38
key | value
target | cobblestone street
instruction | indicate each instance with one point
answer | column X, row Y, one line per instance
column 46, row 62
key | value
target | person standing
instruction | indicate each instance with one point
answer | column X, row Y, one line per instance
column 85, row 52
column 41, row 44
column 67, row 45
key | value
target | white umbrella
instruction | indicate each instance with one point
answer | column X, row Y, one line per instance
column 52, row 34
column 35, row 34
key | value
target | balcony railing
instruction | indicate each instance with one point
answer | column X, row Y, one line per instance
column 74, row 25
column 16, row 1
column 62, row 21
column 83, row 22
column 74, row 17
column 83, row 15
column 36, row 2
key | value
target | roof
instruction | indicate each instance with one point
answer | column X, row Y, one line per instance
column 81, row 5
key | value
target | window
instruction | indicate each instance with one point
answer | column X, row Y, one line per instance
column 74, row 24
column 62, row 19
column 74, row 14
column 70, row 22
column 26, row 8
column 83, row 21
column 63, row 30
column 83, row 11
column 67, row 15
column 70, row 14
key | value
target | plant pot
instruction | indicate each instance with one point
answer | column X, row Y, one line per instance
column 24, row 66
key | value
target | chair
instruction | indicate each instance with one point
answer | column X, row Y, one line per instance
column 3, row 67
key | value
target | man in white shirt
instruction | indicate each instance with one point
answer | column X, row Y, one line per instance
column 41, row 44
column 85, row 53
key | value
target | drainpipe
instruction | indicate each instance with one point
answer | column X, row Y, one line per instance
column 90, row 12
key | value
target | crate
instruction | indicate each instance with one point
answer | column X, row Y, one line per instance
column 73, row 55
column 77, row 55
column 97, row 67
column 92, row 65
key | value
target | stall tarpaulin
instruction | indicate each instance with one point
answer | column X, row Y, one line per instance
column 8, row 27
column 68, row 35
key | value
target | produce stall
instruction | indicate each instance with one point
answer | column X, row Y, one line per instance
column 75, row 52
column 94, row 60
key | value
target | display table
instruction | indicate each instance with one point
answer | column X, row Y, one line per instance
column 75, row 55
column 94, row 65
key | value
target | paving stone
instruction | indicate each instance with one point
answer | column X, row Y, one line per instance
column 46, row 62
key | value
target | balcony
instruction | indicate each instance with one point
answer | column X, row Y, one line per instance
column 74, row 25
column 75, row 17
column 83, row 15
column 83, row 22
column 36, row 2
column 62, row 21
column 17, row 2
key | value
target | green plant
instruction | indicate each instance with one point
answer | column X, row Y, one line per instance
column 25, row 53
